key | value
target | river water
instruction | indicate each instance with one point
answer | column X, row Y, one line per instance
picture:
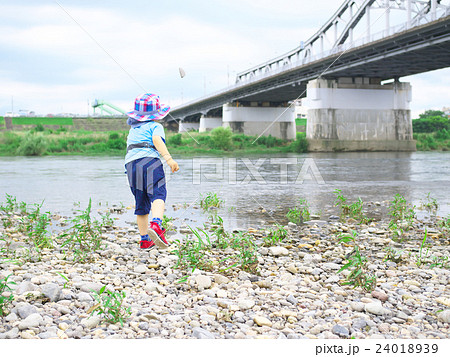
column 254, row 188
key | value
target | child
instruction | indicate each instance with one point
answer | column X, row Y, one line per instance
column 145, row 146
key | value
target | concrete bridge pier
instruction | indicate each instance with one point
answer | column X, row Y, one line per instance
column 359, row 114
column 260, row 118
column 209, row 123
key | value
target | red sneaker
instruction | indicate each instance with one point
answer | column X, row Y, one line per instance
column 156, row 234
column 146, row 244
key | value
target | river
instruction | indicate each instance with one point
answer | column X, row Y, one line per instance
column 254, row 188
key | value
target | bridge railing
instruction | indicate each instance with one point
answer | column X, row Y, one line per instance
column 262, row 71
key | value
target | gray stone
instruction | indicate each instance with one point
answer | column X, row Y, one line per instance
column 375, row 308
column 90, row 286
column 359, row 324
column 48, row 334
column 33, row 320
column 331, row 266
column 52, row 291
column 91, row 322
column 26, row 286
column 24, row 310
column 12, row 317
column 292, row 299
column 141, row 269
column 444, row 316
column 201, row 333
column 278, row 251
column 246, row 304
column 203, row 281
column 340, row 330
column 11, row 334
column 143, row 326
column 84, row 297
column 153, row 330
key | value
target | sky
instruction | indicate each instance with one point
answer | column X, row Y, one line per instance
column 58, row 56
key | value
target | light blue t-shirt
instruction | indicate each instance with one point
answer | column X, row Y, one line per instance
column 141, row 134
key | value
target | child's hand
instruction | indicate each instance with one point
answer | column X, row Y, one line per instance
column 173, row 165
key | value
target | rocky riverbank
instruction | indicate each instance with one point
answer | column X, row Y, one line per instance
column 294, row 290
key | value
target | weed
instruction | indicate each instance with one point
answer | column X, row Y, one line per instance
column 110, row 305
column 247, row 257
column 36, row 224
column 191, row 253
column 275, row 236
column 5, row 288
column 84, row 237
column 421, row 256
column 402, row 214
column 300, row 213
column 357, row 266
column 430, row 205
column 353, row 210
column 210, row 200
column 392, row 254
column 167, row 223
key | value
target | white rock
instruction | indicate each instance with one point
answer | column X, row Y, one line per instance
column 91, row 322
column 220, row 279
column 444, row 316
column 262, row 321
column 203, row 281
column 375, row 308
column 278, row 251
column 140, row 269
column 246, row 304
column 33, row 320
column 357, row 306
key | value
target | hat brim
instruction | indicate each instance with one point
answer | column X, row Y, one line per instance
column 147, row 116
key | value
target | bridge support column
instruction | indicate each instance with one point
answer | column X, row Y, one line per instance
column 264, row 120
column 209, row 123
column 359, row 114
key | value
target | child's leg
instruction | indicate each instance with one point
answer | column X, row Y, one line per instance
column 158, row 208
column 142, row 222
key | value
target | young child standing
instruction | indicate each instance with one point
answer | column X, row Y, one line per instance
column 145, row 146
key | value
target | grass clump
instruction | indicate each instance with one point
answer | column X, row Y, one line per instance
column 402, row 215
column 300, row 213
column 353, row 210
column 6, row 296
column 210, row 200
column 275, row 236
column 84, row 236
column 110, row 306
column 357, row 265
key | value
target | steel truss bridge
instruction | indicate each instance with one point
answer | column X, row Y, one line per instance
column 413, row 36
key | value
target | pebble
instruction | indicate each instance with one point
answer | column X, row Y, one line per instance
column 52, row 291
column 340, row 331
column 246, row 304
column 203, row 282
column 444, row 316
column 278, row 251
column 375, row 308
column 262, row 321
column 201, row 333
column 33, row 320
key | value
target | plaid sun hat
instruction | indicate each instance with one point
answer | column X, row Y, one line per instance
column 147, row 107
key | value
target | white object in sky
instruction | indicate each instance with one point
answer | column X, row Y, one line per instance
column 182, row 72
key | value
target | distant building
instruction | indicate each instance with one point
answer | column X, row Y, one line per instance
column 446, row 111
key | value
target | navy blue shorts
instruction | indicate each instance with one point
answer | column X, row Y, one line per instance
column 147, row 182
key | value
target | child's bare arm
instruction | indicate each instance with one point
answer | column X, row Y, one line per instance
column 162, row 149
